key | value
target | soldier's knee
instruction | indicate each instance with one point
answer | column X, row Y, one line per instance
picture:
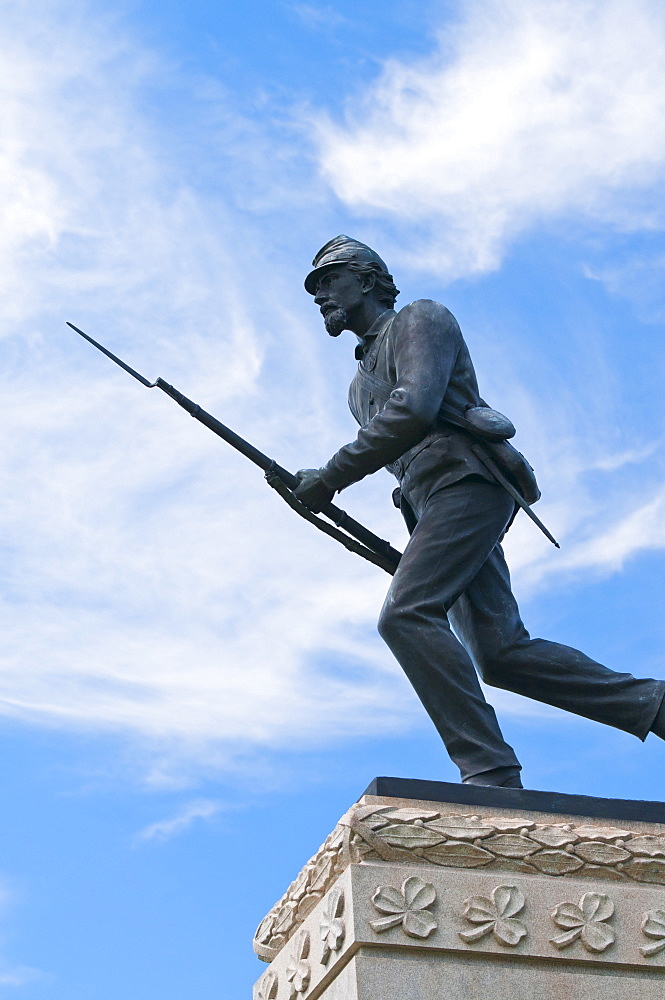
column 494, row 667
column 392, row 622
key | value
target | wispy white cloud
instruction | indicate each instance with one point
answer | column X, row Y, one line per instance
column 20, row 975
column 199, row 809
column 619, row 460
column 602, row 526
column 639, row 530
column 523, row 113
column 640, row 279
column 10, row 973
column 318, row 18
column 153, row 585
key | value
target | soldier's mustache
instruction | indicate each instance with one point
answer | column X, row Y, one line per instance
column 335, row 321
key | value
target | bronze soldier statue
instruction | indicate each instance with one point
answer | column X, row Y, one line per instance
column 415, row 383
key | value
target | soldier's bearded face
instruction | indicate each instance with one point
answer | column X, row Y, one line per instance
column 335, row 321
column 338, row 294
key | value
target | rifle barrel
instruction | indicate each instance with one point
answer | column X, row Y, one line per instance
column 217, row 427
column 337, row 516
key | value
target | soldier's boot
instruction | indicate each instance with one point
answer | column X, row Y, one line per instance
column 499, row 777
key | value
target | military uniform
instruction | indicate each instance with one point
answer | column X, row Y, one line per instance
column 414, row 365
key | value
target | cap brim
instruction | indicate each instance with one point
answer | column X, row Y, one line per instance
column 313, row 276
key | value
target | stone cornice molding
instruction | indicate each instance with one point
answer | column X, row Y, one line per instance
column 528, row 844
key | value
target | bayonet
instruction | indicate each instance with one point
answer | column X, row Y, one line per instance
column 380, row 551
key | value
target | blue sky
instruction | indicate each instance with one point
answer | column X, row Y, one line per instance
column 192, row 687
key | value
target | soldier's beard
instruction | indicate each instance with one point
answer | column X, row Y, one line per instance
column 335, row 321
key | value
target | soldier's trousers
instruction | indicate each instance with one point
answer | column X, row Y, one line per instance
column 453, row 572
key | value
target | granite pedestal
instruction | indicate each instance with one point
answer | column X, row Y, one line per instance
column 433, row 891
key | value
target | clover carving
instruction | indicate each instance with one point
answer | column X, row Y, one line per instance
column 653, row 925
column 586, row 922
column 495, row 915
column 408, row 906
column 298, row 971
column 268, row 987
column 331, row 926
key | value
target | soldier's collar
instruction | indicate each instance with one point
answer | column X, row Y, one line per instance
column 365, row 342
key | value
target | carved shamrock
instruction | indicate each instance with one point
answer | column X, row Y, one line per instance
column 298, row 971
column 653, row 925
column 586, row 921
column 331, row 926
column 268, row 987
column 408, row 907
column 496, row 915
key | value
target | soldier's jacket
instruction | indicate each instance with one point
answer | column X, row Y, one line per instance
column 414, row 362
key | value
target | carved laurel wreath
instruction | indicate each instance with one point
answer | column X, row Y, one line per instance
column 496, row 843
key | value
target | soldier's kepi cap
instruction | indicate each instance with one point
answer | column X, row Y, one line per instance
column 341, row 250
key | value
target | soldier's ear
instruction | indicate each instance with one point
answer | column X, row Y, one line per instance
column 368, row 281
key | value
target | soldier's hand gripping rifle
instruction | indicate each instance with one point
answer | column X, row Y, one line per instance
column 355, row 537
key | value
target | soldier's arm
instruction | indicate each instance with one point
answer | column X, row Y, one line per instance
column 426, row 341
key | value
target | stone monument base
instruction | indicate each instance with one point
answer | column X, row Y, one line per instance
column 434, row 891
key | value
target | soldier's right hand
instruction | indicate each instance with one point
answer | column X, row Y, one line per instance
column 312, row 491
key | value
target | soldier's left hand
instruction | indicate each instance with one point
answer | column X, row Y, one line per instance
column 312, row 491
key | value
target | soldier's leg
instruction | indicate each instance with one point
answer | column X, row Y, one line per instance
column 456, row 531
column 487, row 620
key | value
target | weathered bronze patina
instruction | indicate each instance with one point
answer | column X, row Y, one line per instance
column 416, row 399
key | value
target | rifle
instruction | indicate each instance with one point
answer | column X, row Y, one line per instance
column 354, row 536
